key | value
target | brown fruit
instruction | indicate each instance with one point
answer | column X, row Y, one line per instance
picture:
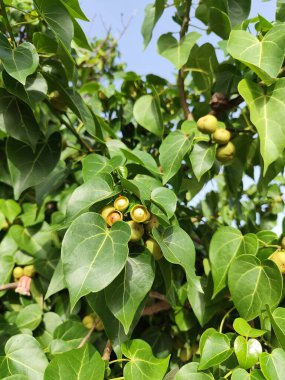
column 279, row 258
column 137, row 230
column 154, row 248
column 113, row 217
column 18, row 272
column 207, row 124
column 106, row 211
column 225, row 153
column 153, row 222
column 140, row 214
column 221, row 136
column 121, row 203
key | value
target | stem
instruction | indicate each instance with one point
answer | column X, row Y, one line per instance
column 23, row 23
column 228, row 374
column 119, row 361
column 90, row 332
column 117, row 378
column 224, row 319
column 156, row 308
column 180, row 81
column 268, row 245
column 18, row 9
column 7, row 22
column 12, row 285
column 107, row 351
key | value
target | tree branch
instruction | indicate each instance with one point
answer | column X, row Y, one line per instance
column 88, row 335
column 156, row 308
column 107, row 351
column 12, row 285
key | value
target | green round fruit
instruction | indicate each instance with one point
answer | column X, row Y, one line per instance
column 207, row 124
column 29, row 270
column 137, row 230
column 140, row 214
column 279, row 258
column 225, row 153
column 88, row 321
column 121, row 203
column 221, row 136
column 18, row 272
column 154, row 248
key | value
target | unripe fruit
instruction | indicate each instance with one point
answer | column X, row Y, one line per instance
column 137, row 230
column 140, row 214
column 185, row 354
column 153, row 222
column 88, row 321
column 207, row 124
column 121, row 203
column 18, row 272
column 99, row 325
column 57, row 102
column 225, row 153
column 279, row 258
column 221, row 136
column 115, row 216
column 154, row 248
column 29, row 270
column 283, row 242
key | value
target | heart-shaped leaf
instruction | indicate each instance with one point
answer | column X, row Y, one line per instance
column 152, row 14
column 29, row 317
column 36, row 166
column 264, row 57
column 142, row 365
column 165, row 199
column 172, row 151
column 273, row 365
column 190, row 371
column 177, row 52
column 19, row 62
column 92, row 254
column 242, row 327
column 247, row 352
column 74, row 9
column 264, row 106
column 77, row 364
column 226, row 244
column 147, row 113
column 254, row 284
column 216, row 349
column 127, row 291
column 202, row 158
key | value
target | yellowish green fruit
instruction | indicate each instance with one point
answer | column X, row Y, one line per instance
column 185, row 354
column 153, row 222
column 121, row 203
column 154, row 248
column 221, row 136
column 107, row 210
column 226, row 153
column 207, row 124
column 29, row 270
column 113, row 217
column 137, row 230
column 99, row 325
column 279, row 258
column 88, row 321
column 140, row 214
column 283, row 242
column 18, row 272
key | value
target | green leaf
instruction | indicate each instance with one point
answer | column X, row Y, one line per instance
column 6, row 268
column 177, row 52
column 172, row 151
column 147, row 113
column 264, row 106
column 219, row 23
column 254, row 284
column 240, row 374
column 19, row 62
column 242, row 327
column 33, row 92
column 17, row 119
column 277, row 319
column 95, row 190
column 152, row 14
column 57, row 282
column 76, row 364
column 273, row 365
column 36, row 166
column 165, row 199
column 58, row 19
column 142, row 365
column 127, row 291
column 247, row 351
column 79, row 36
column 24, row 356
column 74, row 9
column 95, row 164
column 264, row 57
column 280, row 10
column 238, row 10
column 190, row 371
column 29, row 317
column 105, row 254
column 10, row 209
column 216, row 349
column 202, row 158
column 226, row 244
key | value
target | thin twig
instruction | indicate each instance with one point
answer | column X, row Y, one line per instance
column 181, row 75
column 90, row 332
column 12, row 285
column 7, row 22
column 158, row 296
column 156, row 308
column 107, row 351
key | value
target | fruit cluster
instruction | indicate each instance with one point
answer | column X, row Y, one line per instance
column 91, row 320
column 139, row 219
column 226, row 150
column 28, row 270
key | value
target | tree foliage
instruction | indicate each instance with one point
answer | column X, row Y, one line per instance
column 110, row 266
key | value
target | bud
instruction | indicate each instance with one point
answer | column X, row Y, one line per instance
column 18, row 272
column 121, row 203
column 140, row 214
column 23, row 287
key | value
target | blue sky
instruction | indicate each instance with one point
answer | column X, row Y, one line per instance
column 104, row 14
